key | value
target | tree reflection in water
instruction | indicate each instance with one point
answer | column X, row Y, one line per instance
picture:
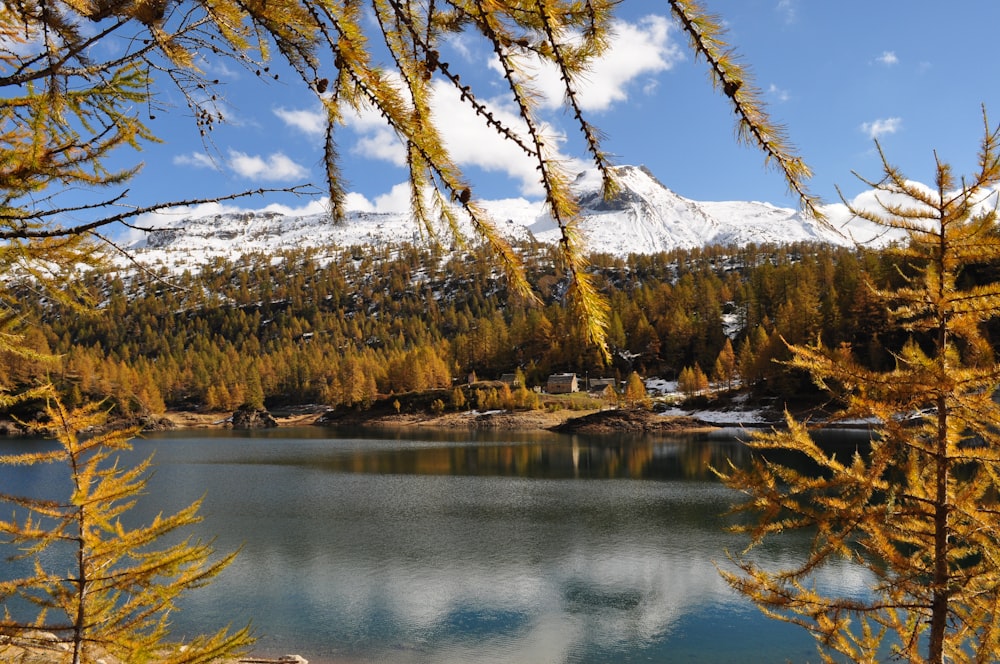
column 568, row 457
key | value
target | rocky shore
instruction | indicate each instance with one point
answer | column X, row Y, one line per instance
column 45, row 648
column 603, row 421
column 628, row 421
column 560, row 413
column 610, row 420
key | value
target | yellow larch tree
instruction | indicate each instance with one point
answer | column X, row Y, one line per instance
column 104, row 589
column 920, row 510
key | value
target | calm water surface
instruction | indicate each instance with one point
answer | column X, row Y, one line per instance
column 406, row 548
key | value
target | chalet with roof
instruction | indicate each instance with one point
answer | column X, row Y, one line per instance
column 598, row 384
column 562, row 383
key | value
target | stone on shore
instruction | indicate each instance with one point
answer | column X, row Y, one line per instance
column 248, row 417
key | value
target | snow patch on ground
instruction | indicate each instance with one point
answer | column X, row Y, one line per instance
column 666, row 390
column 727, row 418
column 661, row 387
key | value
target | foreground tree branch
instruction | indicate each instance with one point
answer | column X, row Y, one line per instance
column 754, row 126
column 66, row 110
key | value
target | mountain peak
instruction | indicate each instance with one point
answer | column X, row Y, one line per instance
column 635, row 185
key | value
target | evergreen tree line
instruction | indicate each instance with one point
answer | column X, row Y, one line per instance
column 345, row 328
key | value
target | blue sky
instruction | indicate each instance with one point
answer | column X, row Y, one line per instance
column 914, row 74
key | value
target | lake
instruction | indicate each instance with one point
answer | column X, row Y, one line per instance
column 419, row 547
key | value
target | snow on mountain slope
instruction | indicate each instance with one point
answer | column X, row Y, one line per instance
column 188, row 241
column 644, row 217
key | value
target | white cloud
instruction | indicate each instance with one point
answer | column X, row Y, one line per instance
column 276, row 167
column 472, row 143
column 469, row 140
column 383, row 144
column 357, row 202
column 197, row 160
column 637, row 50
column 397, row 200
column 888, row 58
column 778, row 93
column 376, row 139
column 310, row 122
column 353, row 202
column 882, row 126
column 788, row 9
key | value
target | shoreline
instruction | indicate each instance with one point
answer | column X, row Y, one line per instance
column 605, row 420
column 608, row 420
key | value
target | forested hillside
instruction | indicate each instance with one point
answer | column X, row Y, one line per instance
column 367, row 322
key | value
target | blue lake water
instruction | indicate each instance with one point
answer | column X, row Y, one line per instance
column 412, row 547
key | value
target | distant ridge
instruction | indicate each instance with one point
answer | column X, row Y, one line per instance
column 644, row 217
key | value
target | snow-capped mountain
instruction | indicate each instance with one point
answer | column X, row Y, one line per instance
column 644, row 217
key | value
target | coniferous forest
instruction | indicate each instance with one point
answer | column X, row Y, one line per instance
column 345, row 328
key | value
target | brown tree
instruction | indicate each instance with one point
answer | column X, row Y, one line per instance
column 725, row 365
column 692, row 380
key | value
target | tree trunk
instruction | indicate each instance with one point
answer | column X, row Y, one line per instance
column 941, row 584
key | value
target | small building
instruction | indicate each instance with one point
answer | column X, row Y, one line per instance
column 512, row 380
column 562, row 383
column 598, row 384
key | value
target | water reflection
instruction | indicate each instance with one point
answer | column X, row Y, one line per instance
column 545, row 457
column 578, row 459
column 444, row 569
column 407, row 549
